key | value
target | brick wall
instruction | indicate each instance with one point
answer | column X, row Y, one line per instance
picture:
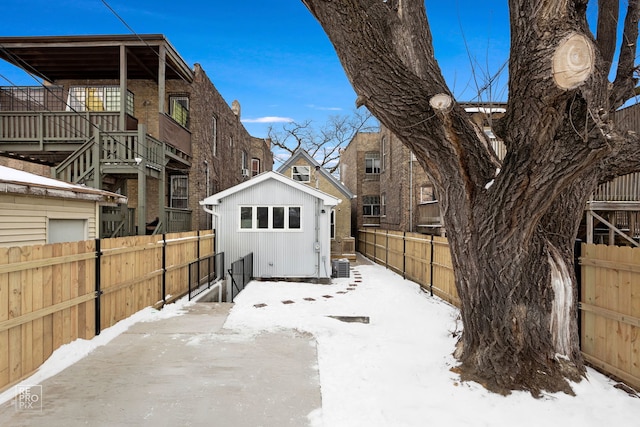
column 352, row 174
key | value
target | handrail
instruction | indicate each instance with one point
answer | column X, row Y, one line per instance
column 59, row 170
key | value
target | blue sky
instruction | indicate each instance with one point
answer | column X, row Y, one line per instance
column 272, row 56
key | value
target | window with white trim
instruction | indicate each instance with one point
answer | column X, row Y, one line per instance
column 270, row 218
column 371, row 205
column 333, row 223
column 255, row 167
column 372, row 163
column 383, row 204
column 301, row 173
column 426, row 194
column 383, row 150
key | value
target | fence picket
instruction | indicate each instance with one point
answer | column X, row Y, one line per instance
column 610, row 289
column 47, row 292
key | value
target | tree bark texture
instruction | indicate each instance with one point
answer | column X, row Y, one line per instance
column 511, row 224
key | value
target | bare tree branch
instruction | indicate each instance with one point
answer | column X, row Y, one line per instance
column 626, row 81
column 323, row 143
column 608, row 11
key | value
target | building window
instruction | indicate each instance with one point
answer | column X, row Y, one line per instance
column 179, row 191
column 426, row 194
column 255, row 167
column 179, row 109
column 383, row 204
column 371, row 205
column 66, row 230
column 244, row 164
column 333, row 223
column 97, row 98
column 214, row 135
column 301, row 173
column 385, row 155
column 372, row 163
column 270, row 218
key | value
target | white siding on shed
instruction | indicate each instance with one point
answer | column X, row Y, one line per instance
column 276, row 253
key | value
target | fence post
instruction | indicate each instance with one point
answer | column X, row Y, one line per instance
column 375, row 245
column 198, row 257
column 386, row 251
column 97, row 288
column 164, row 269
column 431, row 269
column 404, row 254
column 577, row 253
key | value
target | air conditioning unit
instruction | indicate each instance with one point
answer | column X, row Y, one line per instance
column 340, row 268
column 245, row 172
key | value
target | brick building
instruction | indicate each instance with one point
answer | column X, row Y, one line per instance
column 392, row 190
column 305, row 169
column 126, row 114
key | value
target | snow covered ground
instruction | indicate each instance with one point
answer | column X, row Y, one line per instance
column 393, row 371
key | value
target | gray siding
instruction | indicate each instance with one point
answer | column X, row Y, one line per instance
column 276, row 253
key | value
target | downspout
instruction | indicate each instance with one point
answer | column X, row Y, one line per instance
column 317, row 246
column 206, row 163
column 213, row 226
column 411, row 191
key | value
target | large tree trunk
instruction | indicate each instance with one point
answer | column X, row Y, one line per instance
column 511, row 224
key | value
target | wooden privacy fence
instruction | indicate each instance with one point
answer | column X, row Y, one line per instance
column 420, row 258
column 609, row 289
column 53, row 294
column 610, row 310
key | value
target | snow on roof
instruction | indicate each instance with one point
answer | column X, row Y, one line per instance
column 17, row 181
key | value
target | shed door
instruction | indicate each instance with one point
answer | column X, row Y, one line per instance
column 67, row 230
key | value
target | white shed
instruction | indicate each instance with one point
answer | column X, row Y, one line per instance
column 284, row 223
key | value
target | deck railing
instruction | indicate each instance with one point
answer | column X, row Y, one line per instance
column 177, row 220
column 47, row 127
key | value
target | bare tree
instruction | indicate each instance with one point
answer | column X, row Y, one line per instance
column 512, row 223
column 323, row 143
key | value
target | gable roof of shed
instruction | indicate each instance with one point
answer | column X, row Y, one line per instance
column 301, row 153
column 215, row 199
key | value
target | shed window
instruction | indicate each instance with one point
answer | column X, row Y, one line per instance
column 333, row 223
column 265, row 218
column 262, row 217
column 67, row 230
column 278, row 217
column 246, row 217
column 294, row 217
